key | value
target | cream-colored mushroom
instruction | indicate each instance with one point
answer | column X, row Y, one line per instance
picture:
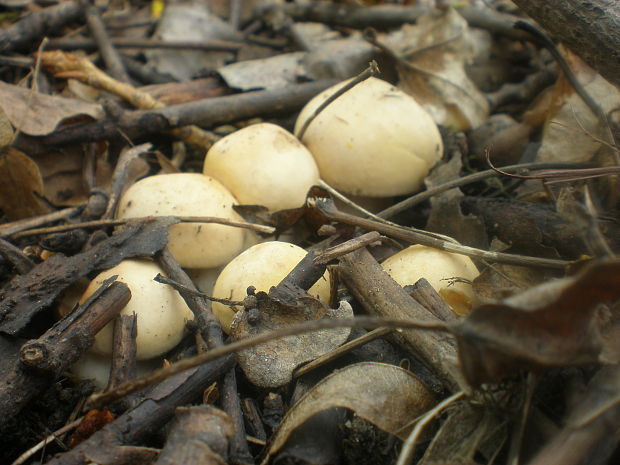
column 194, row 245
column 374, row 140
column 262, row 266
column 161, row 311
column 438, row 267
column 97, row 368
column 263, row 164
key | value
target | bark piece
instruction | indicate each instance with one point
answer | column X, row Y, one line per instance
column 27, row 295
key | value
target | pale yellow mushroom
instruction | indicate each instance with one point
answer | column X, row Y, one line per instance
column 262, row 266
column 263, row 164
column 439, row 268
column 194, row 245
column 374, row 140
column 161, row 312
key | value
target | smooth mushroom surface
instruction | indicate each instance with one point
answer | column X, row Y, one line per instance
column 262, row 266
column 374, row 140
column 161, row 311
column 438, row 268
column 194, row 245
column 263, row 164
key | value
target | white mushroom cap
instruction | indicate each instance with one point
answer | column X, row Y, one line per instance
column 263, row 164
column 194, row 245
column 437, row 266
column 161, row 311
column 374, row 140
column 262, row 266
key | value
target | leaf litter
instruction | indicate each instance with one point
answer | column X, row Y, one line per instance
column 527, row 322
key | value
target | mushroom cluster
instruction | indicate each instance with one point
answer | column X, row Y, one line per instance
column 373, row 141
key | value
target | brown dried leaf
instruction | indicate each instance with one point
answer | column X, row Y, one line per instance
column 573, row 139
column 20, row 182
column 440, row 84
column 385, row 395
column 38, row 114
column 551, row 325
column 272, row 364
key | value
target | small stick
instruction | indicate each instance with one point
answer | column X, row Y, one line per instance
column 372, row 70
column 339, row 351
column 183, row 219
column 108, row 53
column 329, row 210
column 336, row 251
column 68, row 65
column 469, row 179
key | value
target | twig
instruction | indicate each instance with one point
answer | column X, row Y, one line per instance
column 121, row 42
column 565, row 175
column 469, row 179
column 182, row 288
column 104, row 223
column 108, row 53
column 329, row 210
column 339, row 351
column 360, row 322
column 68, row 65
column 372, row 70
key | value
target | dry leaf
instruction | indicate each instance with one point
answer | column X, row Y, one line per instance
column 21, row 185
column 38, row 114
column 266, row 73
column 551, row 325
column 569, row 120
column 271, row 364
column 385, row 395
column 438, row 46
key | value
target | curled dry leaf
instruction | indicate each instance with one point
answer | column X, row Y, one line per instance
column 437, row 48
column 21, row 185
column 38, row 114
column 385, row 395
column 271, row 364
column 551, row 325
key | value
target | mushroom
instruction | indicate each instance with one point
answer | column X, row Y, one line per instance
column 263, row 164
column 161, row 312
column 194, row 245
column 262, row 266
column 97, row 368
column 438, row 268
column 374, row 140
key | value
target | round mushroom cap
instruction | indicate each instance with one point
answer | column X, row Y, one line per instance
column 262, row 266
column 161, row 311
column 374, row 140
column 194, row 245
column 263, row 164
column 438, row 268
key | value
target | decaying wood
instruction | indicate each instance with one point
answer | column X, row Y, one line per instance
column 590, row 28
column 123, row 365
column 198, row 436
column 27, row 371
